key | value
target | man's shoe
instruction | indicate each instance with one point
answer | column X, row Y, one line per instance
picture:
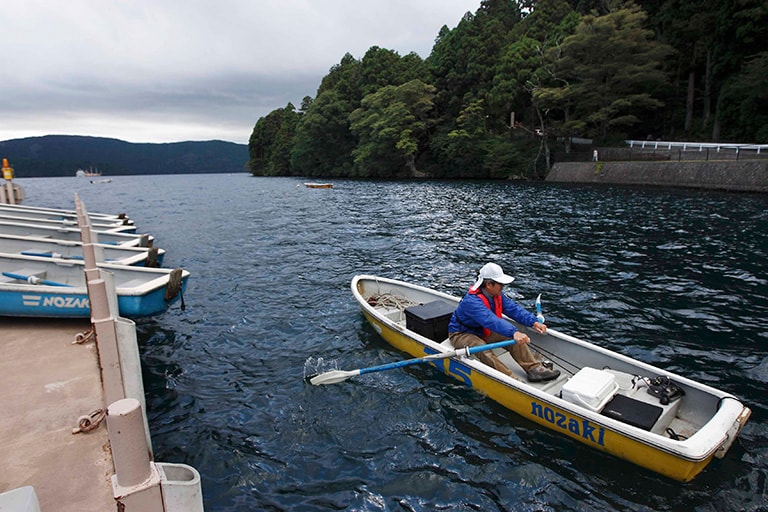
column 541, row 373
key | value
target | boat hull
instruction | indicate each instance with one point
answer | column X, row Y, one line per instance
column 61, row 291
column 679, row 460
column 75, row 304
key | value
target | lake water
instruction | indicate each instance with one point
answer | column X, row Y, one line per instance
column 674, row 278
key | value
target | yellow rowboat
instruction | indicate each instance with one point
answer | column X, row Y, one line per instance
column 646, row 415
column 318, row 185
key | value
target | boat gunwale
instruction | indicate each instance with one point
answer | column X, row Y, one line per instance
column 54, row 211
column 94, row 223
column 699, row 447
column 119, row 237
column 133, row 254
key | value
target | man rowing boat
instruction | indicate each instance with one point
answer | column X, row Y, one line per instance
column 477, row 321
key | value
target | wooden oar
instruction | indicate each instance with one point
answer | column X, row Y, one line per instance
column 32, row 279
column 335, row 376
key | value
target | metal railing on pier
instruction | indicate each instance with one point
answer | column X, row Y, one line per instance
column 665, row 151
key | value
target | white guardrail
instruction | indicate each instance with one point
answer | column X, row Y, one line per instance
column 693, row 146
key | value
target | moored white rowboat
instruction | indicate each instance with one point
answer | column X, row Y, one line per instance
column 68, row 249
column 73, row 234
column 117, row 226
column 53, row 287
column 601, row 398
column 54, row 213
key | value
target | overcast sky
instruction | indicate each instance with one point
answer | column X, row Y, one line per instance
column 175, row 70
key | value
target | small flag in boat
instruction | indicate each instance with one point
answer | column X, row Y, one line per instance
column 539, row 314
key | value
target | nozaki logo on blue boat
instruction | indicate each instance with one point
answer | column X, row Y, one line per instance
column 577, row 426
column 56, row 302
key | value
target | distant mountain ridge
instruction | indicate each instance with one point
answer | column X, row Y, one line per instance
column 62, row 155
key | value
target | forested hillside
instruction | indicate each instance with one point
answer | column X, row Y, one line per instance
column 517, row 80
column 62, row 155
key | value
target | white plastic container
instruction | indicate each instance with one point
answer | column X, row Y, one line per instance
column 22, row 499
column 590, row 388
column 181, row 486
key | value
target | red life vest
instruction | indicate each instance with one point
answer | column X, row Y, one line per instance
column 497, row 309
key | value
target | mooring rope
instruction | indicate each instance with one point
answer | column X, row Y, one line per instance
column 90, row 422
column 84, row 336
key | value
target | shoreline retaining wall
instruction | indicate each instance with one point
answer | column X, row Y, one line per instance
column 741, row 176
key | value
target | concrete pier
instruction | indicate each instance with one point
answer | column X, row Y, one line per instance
column 47, row 384
column 736, row 176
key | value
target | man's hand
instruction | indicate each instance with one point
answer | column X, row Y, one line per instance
column 521, row 338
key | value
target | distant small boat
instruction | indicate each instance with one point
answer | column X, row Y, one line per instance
column 32, row 286
column 318, row 185
column 90, row 173
column 105, row 180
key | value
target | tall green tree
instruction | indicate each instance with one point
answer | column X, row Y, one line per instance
column 271, row 143
column 380, row 67
column 323, row 143
column 713, row 39
column 463, row 59
column 527, row 67
column 743, row 102
column 391, row 125
column 611, row 69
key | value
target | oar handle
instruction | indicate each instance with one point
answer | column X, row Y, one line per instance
column 490, row 346
column 33, row 279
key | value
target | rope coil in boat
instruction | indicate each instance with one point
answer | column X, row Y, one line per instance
column 390, row 300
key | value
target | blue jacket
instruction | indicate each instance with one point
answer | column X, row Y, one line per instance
column 472, row 316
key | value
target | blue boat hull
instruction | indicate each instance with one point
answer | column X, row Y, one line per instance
column 73, row 303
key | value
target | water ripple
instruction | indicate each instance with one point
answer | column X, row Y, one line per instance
column 675, row 278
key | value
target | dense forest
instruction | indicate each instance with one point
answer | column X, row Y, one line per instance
column 516, row 82
column 62, row 155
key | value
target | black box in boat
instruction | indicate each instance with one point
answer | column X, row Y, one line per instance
column 634, row 412
column 430, row 319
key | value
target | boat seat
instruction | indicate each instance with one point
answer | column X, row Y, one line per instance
column 132, row 283
column 640, row 393
column 394, row 314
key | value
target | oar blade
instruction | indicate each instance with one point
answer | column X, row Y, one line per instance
column 333, row 377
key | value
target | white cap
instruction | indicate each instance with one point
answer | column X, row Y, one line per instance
column 493, row 272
